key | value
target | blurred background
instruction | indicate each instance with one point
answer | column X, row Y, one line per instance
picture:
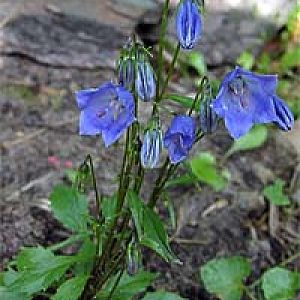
column 50, row 49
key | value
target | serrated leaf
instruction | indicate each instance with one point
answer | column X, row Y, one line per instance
column 38, row 268
column 150, row 229
column 224, row 277
column 185, row 101
column 205, row 169
column 255, row 138
column 128, row 286
column 70, row 208
column 71, row 289
column 274, row 193
column 280, row 284
column 161, row 295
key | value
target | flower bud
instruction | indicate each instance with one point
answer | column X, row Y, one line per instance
column 126, row 73
column 188, row 23
column 208, row 117
column 133, row 259
column 151, row 148
column 145, row 81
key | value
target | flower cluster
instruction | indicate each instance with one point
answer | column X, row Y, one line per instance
column 244, row 99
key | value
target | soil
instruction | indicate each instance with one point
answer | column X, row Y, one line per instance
column 39, row 140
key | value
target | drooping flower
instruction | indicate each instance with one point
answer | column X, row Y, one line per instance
column 145, row 81
column 107, row 110
column 180, row 138
column 188, row 23
column 151, row 148
column 247, row 98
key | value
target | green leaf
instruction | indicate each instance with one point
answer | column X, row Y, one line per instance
column 109, row 205
column 246, row 60
column 86, row 257
column 136, row 206
column 128, row 286
column 197, row 61
column 205, row 169
column 6, row 294
column 70, row 208
column 185, row 101
column 280, row 284
column 38, row 268
column 71, row 289
column 185, row 179
column 274, row 193
column 161, row 295
column 224, row 277
column 290, row 59
column 254, row 139
column 155, row 236
column 150, row 229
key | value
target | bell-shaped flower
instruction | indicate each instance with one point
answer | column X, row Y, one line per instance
column 246, row 98
column 180, row 138
column 151, row 148
column 108, row 110
column 188, row 23
column 145, row 81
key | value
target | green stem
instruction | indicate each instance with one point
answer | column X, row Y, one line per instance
column 290, row 259
column 94, row 182
column 170, row 72
column 249, row 294
column 162, row 34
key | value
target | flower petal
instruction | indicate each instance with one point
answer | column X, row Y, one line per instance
column 238, row 124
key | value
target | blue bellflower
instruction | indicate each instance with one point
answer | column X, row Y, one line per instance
column 180, row 138
column 188, row 24
column 246, row 98
column 107, row 110
column 151, row 148
column 145, row 81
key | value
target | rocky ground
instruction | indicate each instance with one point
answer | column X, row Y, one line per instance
column 48, row 50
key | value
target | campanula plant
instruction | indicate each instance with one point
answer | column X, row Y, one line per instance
column 108, row 264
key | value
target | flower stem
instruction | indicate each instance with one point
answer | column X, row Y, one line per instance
column 94, row 182
column 170, row 72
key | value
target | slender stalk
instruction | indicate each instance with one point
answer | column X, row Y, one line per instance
column 290, row 259
column 249, row 294
column 94, row 182
column 163, row 29
column 170, row 72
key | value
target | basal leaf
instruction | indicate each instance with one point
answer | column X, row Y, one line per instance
column 71, row 289
column 128, row 286
column 70, row 208
column 280, row 284
column 224, row 277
